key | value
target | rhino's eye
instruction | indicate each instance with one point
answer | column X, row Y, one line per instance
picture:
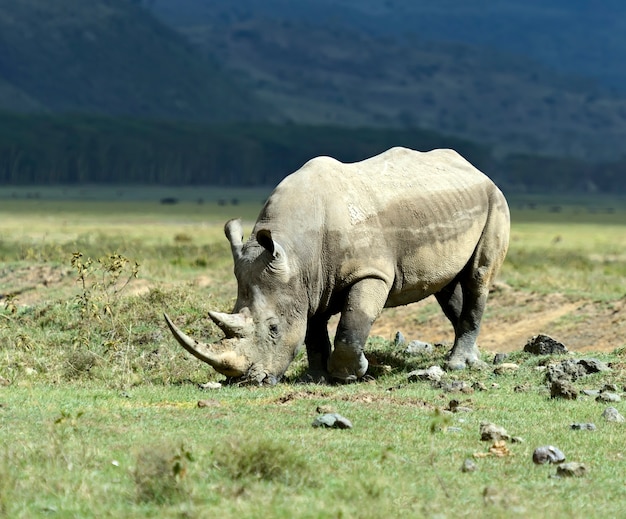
column 274, row 329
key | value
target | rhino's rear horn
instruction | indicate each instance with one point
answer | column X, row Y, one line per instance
column 234, row 233
column 234, row 325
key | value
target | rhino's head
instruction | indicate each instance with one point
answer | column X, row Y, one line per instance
column 268, row 323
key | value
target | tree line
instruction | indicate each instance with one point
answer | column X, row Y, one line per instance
column 77, row 149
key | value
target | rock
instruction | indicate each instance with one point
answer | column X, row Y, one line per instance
column 468, row 465
column 593, row 366
column 573, row 469
column 456, row 386
column 332, row 421
column 456, row 407
column 548, row 454
column 493, row 432
column 544, row 345
column 522, row 388
column 583, row 427
column 434, row 373
column 590, row 392
column 479, row 386
column 499, row 358
column 452, row 429
column 419, row 348
column 610, row 414
column 505, row 367
column 609, row 387
column 563, row 389
column 210, row 385
column 608, row 397
column 568, row 369
column 325, row 409
column 399, row 339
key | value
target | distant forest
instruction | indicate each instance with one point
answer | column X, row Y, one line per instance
column 77, row 149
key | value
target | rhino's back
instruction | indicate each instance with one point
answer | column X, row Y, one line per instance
column 400, row 181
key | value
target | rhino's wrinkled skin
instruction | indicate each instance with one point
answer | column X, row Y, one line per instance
column 353, row 239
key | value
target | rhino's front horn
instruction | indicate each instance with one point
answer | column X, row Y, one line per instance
column 234, row 325
column 228, row 363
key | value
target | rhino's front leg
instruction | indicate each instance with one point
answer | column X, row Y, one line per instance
column 318, row 348
column 363, row 304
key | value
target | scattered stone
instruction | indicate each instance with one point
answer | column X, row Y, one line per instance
column 563, row 389
column 573, row 469
column 517, row 439
column 505, row 367
column 608, row 397
column 469, row 465
column 522, row 388
column 493, row 432
column 590, row 392
column 4, row 382
column 495, row 385
column 610, row 414
column 583, row 427
column 456, row 407
column 452, row 429
column 544, row 345
column 479, row 386
column 593, row 366
column 325, row 409
column 419, row 348
column 499, row 358
column 332, row 421
column 498, row 449
column 568, row 369
column 456, row 386
column 210, row 385
column 609, row 387
column 208, row 403
column 548, row 454
column 399, row 339
column 434, row 373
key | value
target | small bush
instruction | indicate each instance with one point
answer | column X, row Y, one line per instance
column 159, row 473
column 261, row 459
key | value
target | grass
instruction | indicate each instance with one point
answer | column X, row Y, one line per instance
column 99, row 411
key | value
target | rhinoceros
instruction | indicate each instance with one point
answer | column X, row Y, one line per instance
column 354, row 238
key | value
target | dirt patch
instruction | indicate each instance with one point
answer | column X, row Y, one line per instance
column 513, row 317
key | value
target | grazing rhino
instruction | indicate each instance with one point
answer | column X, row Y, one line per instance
column 354, row 239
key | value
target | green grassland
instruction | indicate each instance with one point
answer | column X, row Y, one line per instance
column 99, row 408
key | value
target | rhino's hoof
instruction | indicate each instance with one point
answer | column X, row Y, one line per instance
column 458, row 363
column 346, row 379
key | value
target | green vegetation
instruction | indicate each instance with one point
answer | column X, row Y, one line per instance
column 100, row 410
column 78, row 150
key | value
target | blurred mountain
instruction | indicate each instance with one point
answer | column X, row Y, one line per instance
column 533, row 76
column 111, row 57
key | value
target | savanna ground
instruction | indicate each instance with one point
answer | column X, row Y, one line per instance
column 99, row 411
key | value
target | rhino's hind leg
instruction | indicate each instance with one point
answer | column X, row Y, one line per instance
column 363, row 304
column 318, row 348
column 452, row 301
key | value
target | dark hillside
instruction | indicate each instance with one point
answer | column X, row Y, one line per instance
column 370, row 64
column 111, row 57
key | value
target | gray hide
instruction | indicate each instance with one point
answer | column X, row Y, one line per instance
column 353, row 239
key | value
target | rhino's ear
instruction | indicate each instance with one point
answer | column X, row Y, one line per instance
column 279, row 263
column 234, row 233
